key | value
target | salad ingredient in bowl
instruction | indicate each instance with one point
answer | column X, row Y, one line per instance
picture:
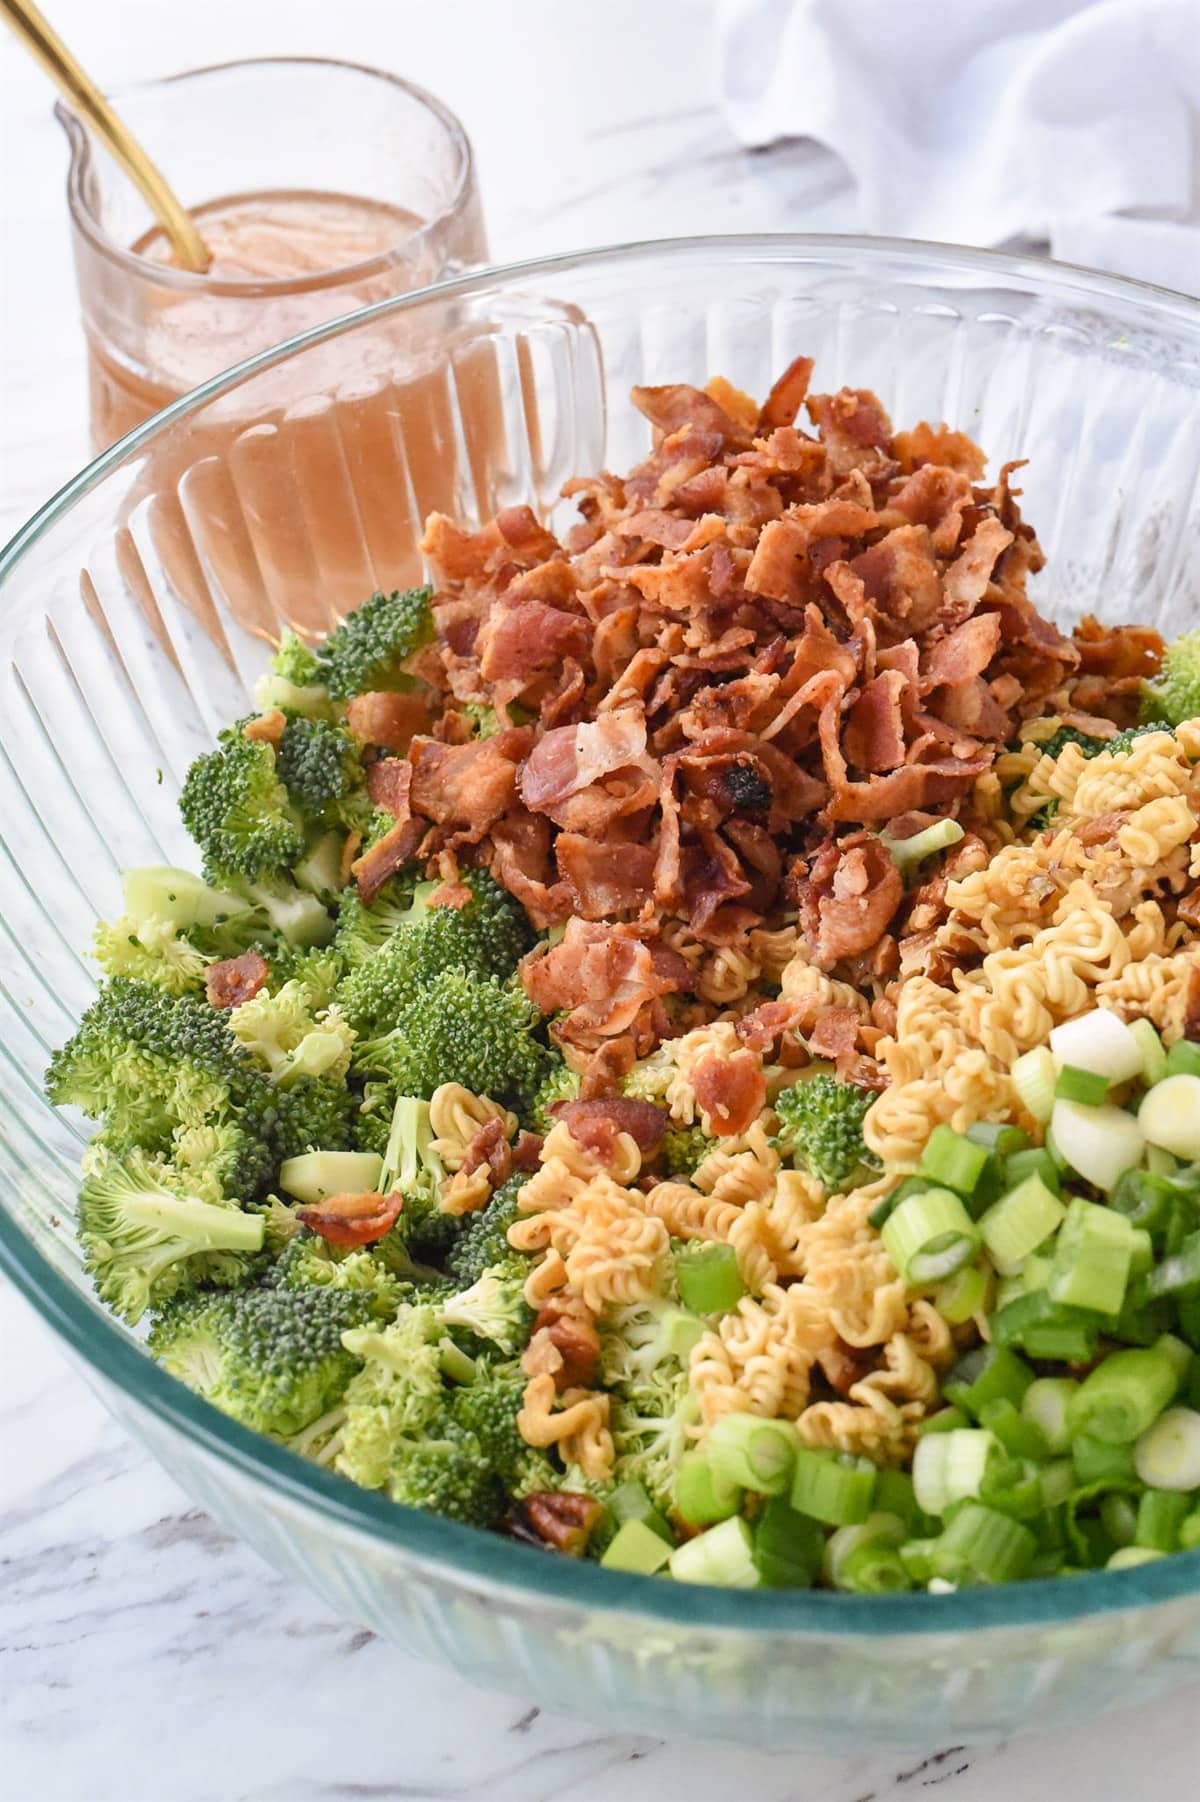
column 686, row 1048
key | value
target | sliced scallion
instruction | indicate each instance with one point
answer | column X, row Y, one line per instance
column 1092, row 1258
column 1183, row 1059
column 1124, row 1395
column 953, row 1160
column 637, row 1548
column 701, row 1497
column 1100, row 1143
column 985, row 1374
column 1160, row 1514
column 1100, row 1042
column 962, row 1295
column 1170, row 1116
column 751, row 1453
column 1087, row 1086
column 1034, row 1075
column 722, row 1556
column 1045, row 1404
column 787, row 1546
column 950, row 1467
column 708, row 1278
column 930, row 1236
column 1019, row 1222
column 1150, row 1048
column 827, row 1489
column 992, row 1546
column 1167, row 1455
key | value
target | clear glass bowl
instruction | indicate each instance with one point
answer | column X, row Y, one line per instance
column 133, row 615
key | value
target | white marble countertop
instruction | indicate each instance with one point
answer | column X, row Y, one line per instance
column 121, row 1606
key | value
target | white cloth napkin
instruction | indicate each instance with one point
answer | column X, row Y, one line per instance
column 977, row 121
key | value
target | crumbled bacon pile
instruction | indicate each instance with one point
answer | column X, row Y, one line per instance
column 758, row 648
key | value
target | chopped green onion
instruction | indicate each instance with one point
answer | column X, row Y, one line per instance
column 1100, row 1143
column 1019, row 1435
column 1058, row 1480
column 787, row 1546
column 1128, row 1557
column 1146, row 1200
column 992, row 1546
column 1086, row 1533
column 996, row 1136
column 702, row 1497
column 1167, row 1455
column 916, row 1555
column 1034, row 1075
column 1045, row 1405
column 909, row 1185
column 838, row 1493
column 894, row 1494
column 1099, row 1042
column 950, row 1467
column 930, row 1236
column 1160, row 1162
column 1124, row 1395
column 1170, row 1116
column 954, row 1161
column 1092, row 1256
column 1045, row 1328
column 1096, row 1462
column 1150, row 1046
column 1178, row 1274
column 985, row 1374
column 875, row 1570
column 1037, row 1161
column 1179, row 1354
column 1187, row 1311
column 629, row 1502
column 963, row 1295
column 1189, row 1532
column 708, row 1278
column 638, row 1548
column 751, row 1453
column 1019, row 1222
column 944, row 1421
column 907, row 853
column 1119, row 1517
column 878, row 1529
column 1141, row 1260
column 722, row 1556
column 1161, row 1513
column 1183, row 1059
column 1081, row 1085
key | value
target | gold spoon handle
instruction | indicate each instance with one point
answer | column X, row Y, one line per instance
column 89, row 102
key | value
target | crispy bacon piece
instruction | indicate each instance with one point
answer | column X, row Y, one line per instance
column 353, row 1219
column 235, row 979
column 266, row 728
column 1117, row 652
column 489, row 1146
column 787, row 396
column 604, row 879
column 389, row 785
column 731, row 1091
column 853, row 890
column 390, row 721
column 467, row 787
column 606, row 979
column 516, row 642
column 576, row 1341
column 389, row 854
column 675, row 407
column 596, row 1122
column 570, row 758
column 527, row 1151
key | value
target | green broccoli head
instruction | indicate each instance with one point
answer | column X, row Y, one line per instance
column 395, row 1398
column 150, row 951
column 373, row 647
column 1174, row 694
column 494, row 1306
column 1091, row 746
column 321, row 767
column 272, row 1358
column 653, row 1426
column 487, row 937
column 487, row 1408
column 684, row 1149
column 147, row 1063
column 313, row 1113
column 290, row 1036
column 144, row 1237
column 483, row 1244
column 239, row 812
column 460, row 1028
column 309, row 1261
column 296, row 662
column 448, row 1475
column 362, row 931
column 820, row 1125
column 560, row 1083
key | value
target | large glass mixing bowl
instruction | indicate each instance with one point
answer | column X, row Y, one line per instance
column 133, row 615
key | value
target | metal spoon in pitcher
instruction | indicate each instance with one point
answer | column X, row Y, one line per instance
column 87, row 100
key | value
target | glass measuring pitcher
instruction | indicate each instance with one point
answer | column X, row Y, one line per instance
column 319, row 186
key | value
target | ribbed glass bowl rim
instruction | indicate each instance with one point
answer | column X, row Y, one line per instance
column 486, row 1561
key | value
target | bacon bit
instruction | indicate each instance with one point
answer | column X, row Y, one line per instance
column 596, row 1122
column 604, row 879
column 353, row 1219
column 605, row 979
column 675, row 407
column 853, row 891
column 489, row 1146
column 389, row 854
column 351, row 845
column 527, row 1151
column 267, row 728
column 1118, row 652
column 467, row 787
column 731, row 1092
column 390, row 721
column 556, row 1520
column 761, row 1029
column 389, row 785
column 573, row 1335
column 235, row 979
column 451, row 894
column 787, row 396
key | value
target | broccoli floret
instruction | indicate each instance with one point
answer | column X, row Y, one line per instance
column 238, row 811
column 684, row 1149
column 647, row 1342
column 487, row 1407
column 652, row 1427
column 373, row 646
column 291, row 1038
column 318, row 968
column 484, row 1241
column 296, row 662
column 448, row 1475
column 363, row 930
column 820, row 1125
column 460, row 1028
column 487, row 937
column 394, row 1399
column 1092, row 746
column 311, row 1114
column 494, row 1307
column 560, row 1083
column 147, row 1063
column 309, row 1261
column 272, row 1358
column 1174, row 694
column 144, row 1237
column 296, row 915
column 322, row 770
column 150, row 951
